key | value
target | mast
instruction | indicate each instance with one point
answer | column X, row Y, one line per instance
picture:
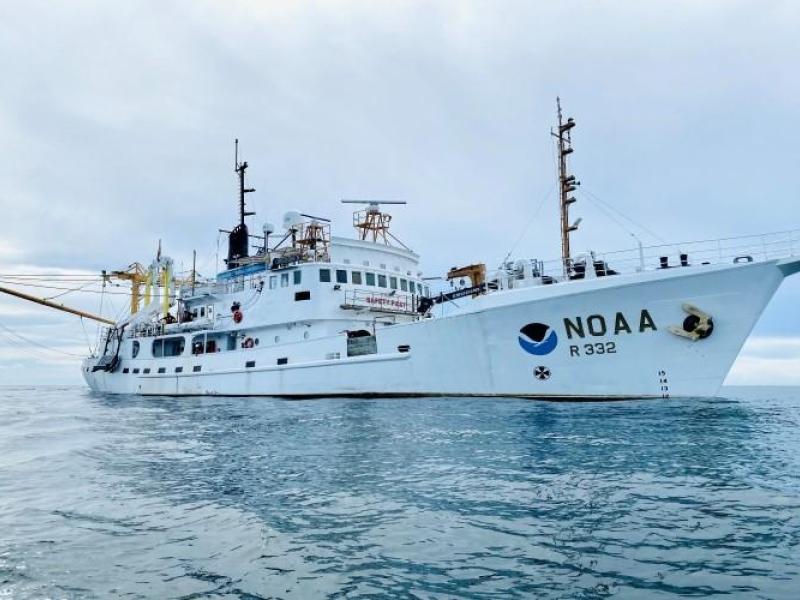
column 239, row 238
column 567, row 185
column 240, row 168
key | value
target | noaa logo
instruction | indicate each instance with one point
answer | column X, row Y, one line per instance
column 538, row 339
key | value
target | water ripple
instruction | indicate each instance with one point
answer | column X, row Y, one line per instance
column 449, row 498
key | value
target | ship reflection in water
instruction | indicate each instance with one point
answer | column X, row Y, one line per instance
column 231, row 498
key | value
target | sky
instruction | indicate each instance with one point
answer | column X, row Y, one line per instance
column 118, row 122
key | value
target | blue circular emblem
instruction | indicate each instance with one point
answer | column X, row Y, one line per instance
column 538, row 339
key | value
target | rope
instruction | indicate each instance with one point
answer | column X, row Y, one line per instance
column 610, row 207
column 35, row 343
column 527, row 226
column 53, row 287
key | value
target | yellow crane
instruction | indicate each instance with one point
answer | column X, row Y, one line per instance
column 137, row 275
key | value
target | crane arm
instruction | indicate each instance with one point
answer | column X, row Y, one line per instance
column 55, row 305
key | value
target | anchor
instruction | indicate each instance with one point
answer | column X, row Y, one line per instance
column 698, row 325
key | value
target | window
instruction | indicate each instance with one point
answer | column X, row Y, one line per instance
column 135, row 349
column 355, row 277
column 325, row 275
column 403, row 285
column 196, row 368
column 381, row 280
column 126, row 370
column 198, row 344
column 393, row 282
column 146, row 371
column 370, row 278
column 411, row 287
column 162, row 369
column 427, row 291
column 173, row 346
column 179, row 369
column 202, row 311
column 273, row 282
column 297, row 277
column 306, row 295
column 168, row 347
column 284, row 280
column 283, row 361
column 341, row 276
column 249, row 364
column 210, row 311
column 135, row 371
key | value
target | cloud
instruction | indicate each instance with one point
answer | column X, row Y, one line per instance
column 767, row 361
column 118, row 122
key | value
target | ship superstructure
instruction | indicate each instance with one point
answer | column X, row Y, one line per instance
column 301, row 313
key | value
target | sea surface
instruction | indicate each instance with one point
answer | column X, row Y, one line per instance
column 127, row 497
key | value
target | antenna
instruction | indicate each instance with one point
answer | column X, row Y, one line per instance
column 372, row 221
column 240, row 169
column 567, row 185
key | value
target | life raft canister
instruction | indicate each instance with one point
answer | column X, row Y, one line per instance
column 248, row 343
column 237, row 316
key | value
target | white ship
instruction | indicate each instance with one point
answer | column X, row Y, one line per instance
column 311, row 315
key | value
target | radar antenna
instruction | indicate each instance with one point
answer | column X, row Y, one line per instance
column 372, row 222
column 567, row 185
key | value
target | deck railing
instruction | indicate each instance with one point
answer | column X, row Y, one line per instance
column 760, row 247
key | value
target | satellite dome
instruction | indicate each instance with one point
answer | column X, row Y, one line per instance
column 292, row 219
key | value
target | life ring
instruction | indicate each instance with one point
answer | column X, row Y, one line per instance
column 237, row 316
column 248, row 343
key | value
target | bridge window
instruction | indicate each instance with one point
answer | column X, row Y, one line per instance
column 304, row 295
column 284, row 280
column 382, row 281
column 411, row 287
column 341, row 276
column 393, row 282
column 273, row 282
column 370, row 278
column 404, row 285
column 355, row 276
column 134, row 349
column 297, row 277
column 325, row 275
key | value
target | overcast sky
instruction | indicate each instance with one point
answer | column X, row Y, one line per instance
column 118, row 122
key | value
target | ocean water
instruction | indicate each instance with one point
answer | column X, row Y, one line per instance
column 126, row 497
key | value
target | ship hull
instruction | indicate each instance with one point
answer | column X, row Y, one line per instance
column 608, row 338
